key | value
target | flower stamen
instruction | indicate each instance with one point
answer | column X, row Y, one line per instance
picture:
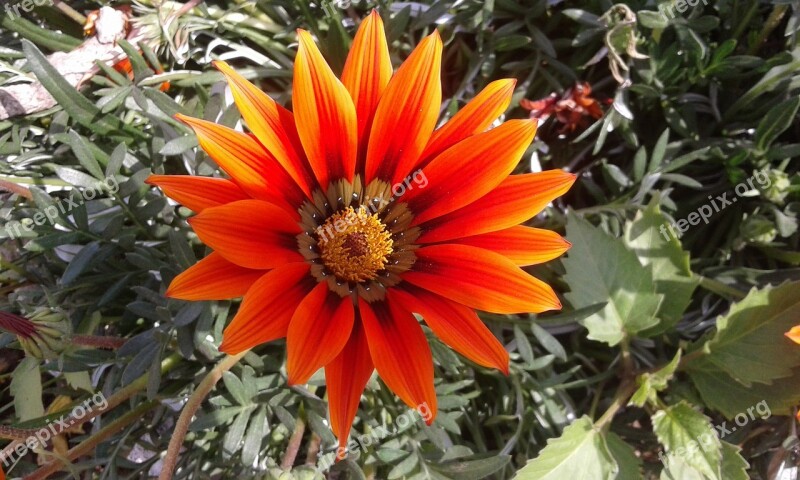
column 354, row 244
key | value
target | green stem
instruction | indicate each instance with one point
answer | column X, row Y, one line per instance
column 720, row 288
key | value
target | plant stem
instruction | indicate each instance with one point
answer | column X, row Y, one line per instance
column 191, row 407
column 70, row 12
column 624, row 392
column 113, row 401
column 294, row 444
column 720, row 288
column 90, row 443
column 98, row 341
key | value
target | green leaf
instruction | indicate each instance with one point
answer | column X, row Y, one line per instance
column 630, row 466
column 76, row 105
column 80, row 262
column 79, row 381
column 750, row 344
column 689, row 435
column 476, row 469
column 580, row 452
column 668, row 261
column 236, row 388
column 734, row 466
column 776, row 121
column 234, row 434
column 723, row 393
column 254, row 437
column 26, row 388
column 600, row 269
column 83, row 153
column 652, row 383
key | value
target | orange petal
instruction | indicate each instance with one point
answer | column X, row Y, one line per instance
column 401, row 354
column 470, row 169
column 475, row 117
column 515, row 200
column 325, row 115
column 457, row 326
column 366, row 74
column 247, row 162
column 267, row 308
column 794, row 334
column 249, row 233
column 272, row 124
column 319, row 329
column 406, row 114
column 346, row 376
column 480, row 279
column 197, row 193
column 213, row 278
column 522, row 245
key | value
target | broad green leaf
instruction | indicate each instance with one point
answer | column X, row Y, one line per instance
column 723, row 393
column 750, row 344
column 473, row 469
column 689, row 435
column 734, row 466
column 26, row 388
column 652, row 383
column 776, row 121
column 630, row 466
column 580, row 452
column 600, row 269
column 79, row 380
column 669, row 263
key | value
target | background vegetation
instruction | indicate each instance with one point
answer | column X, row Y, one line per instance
column 661, row 340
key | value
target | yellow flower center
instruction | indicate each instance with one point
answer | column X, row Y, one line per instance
column 354, row 245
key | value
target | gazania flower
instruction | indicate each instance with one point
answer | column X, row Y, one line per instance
column 794, row 334
column 344, row 218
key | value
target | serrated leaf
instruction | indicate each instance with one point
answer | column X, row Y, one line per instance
column 749, row 343
column 723, row 393
column 600, row 269
column 652, row 383
column 689, row 435
column 579, row 453
column 669, row 263
column 26, row 388
column 630, row 466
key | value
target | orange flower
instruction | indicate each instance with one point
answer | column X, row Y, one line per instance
column 794, row 334
column 344, row 218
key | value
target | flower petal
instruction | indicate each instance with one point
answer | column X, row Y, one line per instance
column 480, row 279
column 213, row 278
column 455, row 324
column 522, row 245
column 794, row 334
column 319, row 330
column 325, row 115
column 249, row 233
column 515, row 200
column 272, row 124
column 267, row 308
column 470, row 169
column 247, row 162
column 366, row 74
column 346, row 376
column 406, row 114
column 475, row 117
column 400, row 352
column 197, row 193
